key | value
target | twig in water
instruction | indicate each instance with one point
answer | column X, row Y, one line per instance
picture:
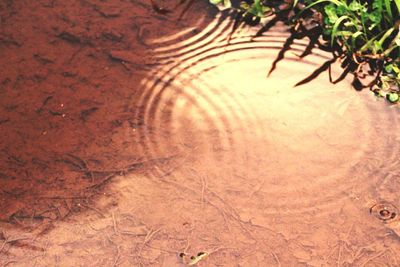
column 204, row 186
column 8, row 262
column 3, row 245
column 373, row 257
column 115, row 224
column 147, row 239
column 118, row 256
column 276, row 258
column 150, row 235
column 94, row 209
column 11, row 240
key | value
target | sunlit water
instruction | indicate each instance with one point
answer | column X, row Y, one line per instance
column 227, row 161
column 308, row 162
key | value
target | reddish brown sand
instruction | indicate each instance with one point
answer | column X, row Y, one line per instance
column 130, row 136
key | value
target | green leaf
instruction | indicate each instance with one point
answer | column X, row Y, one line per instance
column 336, row 2
column 388, row 8
column 392, row 97
column 386, row 35
column 375, row 17
column 335, row 27
column 397, row 2
column 216, row 2
column 330, row 11
column 355, row 6
column 389, row 68
column 225, row 3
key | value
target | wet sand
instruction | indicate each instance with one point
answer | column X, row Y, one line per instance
column 131, row 136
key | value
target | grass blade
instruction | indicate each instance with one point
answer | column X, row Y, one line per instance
column 389, row 8
column 335, row 27
column 397, row 2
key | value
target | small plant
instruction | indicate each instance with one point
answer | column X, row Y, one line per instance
column 389, row 83
column 363, row 35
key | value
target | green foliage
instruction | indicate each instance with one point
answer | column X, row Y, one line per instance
column 390, row 79
column 224, row 3
column 256, row 8
column 365, row 29
column 360, row 32
column 392, row 97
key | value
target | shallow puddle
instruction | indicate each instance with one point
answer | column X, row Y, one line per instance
column 245, row 169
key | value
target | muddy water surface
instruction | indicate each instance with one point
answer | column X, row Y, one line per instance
column 307, row 162
column 242, row 166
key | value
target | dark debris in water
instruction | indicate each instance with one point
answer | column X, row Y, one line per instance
column 385, row 211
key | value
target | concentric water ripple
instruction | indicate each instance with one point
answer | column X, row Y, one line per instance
column 298, row 150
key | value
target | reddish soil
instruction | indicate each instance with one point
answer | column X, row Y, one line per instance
column 132, row 132
column 69, row 77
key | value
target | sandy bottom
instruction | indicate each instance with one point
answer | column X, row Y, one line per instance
column 136, row 135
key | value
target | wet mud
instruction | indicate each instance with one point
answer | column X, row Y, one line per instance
column 134, row 134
